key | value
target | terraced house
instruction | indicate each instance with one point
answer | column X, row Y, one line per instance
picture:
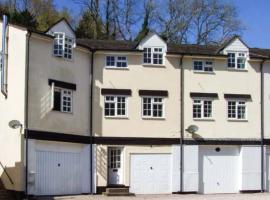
column 80, row 116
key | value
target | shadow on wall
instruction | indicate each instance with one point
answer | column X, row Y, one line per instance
column 45, row 104
column 102, row 162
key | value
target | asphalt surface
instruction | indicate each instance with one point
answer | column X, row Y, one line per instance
column 256, row 196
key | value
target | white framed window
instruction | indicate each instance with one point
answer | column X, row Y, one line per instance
column 202, row 109
column 63, row 100
column 115, row 106
column 116, row 62
column 203, row 65
column 58, row 44
column 236, row 60
column 237, row 109
column 68, row 50
column 63, row 46
column 153, row 107
column 153, row 55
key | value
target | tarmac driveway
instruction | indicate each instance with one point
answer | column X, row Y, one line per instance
column 257, row 196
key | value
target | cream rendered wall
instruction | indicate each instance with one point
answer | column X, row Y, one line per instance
column 12, row 108
column 43, row 66
column 224, row 81
column 137, row 77
column 102, row 156
column 266, row 74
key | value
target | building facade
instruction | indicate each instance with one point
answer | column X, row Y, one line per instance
column 151, row 116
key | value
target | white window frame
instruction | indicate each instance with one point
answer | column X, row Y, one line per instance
column 204, row 65
column 116, row 60
column 152, row 52
column 237, row 55
column 151, row 109
column 116, row 106
column 65, row 42
column 237, row 105
column 202, row 100
column 63, row 94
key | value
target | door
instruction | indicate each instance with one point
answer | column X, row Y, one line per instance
column 150, row 174
column 219, row 169
column 115, row 168
column 58, row 173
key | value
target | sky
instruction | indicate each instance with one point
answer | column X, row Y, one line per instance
column 254, row 14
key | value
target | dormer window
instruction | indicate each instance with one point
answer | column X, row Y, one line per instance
column 63, row 46
column 153, row 55
column 236, row 60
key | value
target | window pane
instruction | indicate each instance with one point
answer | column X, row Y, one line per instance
column 231, row 109
column 207, row 106
column 147, row 55
column 241, row 63
column 197, row 109
column 66, row 100
column 208, row 66
column 146, row 106
column 241, row 110
column 121, row 106
column 231, row 60
column 121, row 61
column 198, row 65
column 110, row 62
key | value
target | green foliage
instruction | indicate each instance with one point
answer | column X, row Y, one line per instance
column 89, row 28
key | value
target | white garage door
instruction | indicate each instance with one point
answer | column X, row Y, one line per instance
column 219, row 169
column 268, row 169
column 150, row 173
column 58, row 173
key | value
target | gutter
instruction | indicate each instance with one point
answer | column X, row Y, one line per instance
column 91, row 119
column 262, row 125
column 182, row 126
column 26, row 111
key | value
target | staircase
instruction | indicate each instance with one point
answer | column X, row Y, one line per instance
column 118, row 191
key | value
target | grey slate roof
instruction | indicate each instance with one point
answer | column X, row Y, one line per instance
column 185, row 49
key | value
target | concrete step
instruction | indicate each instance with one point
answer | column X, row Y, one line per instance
column 118, row 191
column 118, row 194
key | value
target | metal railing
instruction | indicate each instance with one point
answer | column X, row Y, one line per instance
column 5, row 171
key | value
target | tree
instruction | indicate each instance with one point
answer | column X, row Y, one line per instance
column 148, row 12
column 24, row 18
column 87, row 27
column 213, row 21
column 199, row 21
column 176, row 24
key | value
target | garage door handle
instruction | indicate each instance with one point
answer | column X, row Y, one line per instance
column 151, row 168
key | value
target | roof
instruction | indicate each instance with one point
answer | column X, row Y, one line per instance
column 184, row 49
column 110, row 45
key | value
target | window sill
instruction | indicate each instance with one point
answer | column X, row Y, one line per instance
column 204, row 119
column 153, row 65
column 57, row 111
column 237, row 70
column 115, row 117
column 117, row 68
column 203, row 72
column 63, row 58
column 237, row 120
column 153, row 118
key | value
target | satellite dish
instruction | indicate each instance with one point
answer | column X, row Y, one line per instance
column 192, row 129
column 14, row 124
